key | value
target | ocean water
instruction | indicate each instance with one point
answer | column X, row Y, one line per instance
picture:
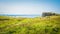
column 24, row 16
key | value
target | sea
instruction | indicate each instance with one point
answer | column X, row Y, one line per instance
column 24, row 16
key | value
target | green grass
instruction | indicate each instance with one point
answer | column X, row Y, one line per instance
column 39, row 25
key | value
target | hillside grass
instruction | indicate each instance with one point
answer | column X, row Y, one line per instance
column 38, row 25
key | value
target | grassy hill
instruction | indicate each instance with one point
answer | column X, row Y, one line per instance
column 38, row 25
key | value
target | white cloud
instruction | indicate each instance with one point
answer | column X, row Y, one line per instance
column 25, row 9
column 19, row 10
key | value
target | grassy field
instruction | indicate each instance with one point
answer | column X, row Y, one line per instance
column 38, row 25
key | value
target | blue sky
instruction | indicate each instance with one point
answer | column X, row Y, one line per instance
column 29, row 7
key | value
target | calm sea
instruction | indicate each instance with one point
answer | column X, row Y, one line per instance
column 28, row 16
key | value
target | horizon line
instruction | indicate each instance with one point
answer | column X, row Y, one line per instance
column 17, row 15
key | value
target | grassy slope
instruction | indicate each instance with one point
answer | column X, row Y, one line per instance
column 44, row 25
